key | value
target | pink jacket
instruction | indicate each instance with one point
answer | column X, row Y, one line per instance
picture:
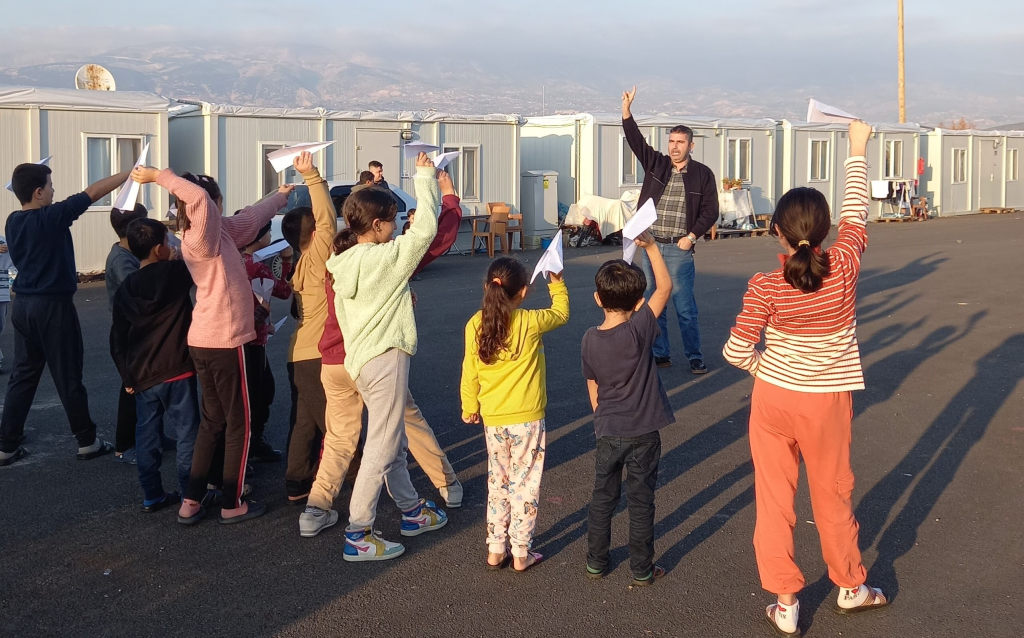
column 223, row 313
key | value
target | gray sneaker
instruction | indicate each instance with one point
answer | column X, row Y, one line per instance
column 315, row 520
column 452, row 494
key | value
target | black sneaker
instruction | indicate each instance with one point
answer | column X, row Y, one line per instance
column 170, row 498
column 697, row 366
column 263, row 452
column 663, row 362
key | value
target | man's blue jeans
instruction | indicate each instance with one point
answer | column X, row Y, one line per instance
column 173, row 405
column 681, row 269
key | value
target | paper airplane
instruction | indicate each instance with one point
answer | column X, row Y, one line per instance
column 282, row 158
column 270, row 250
column 412, row 149
column 823, row 113
column 262, row 288
column 42, row 162
column 551, row 260
column 637, row 224
column 444, row 159
column 130, row 191
column 277, row 326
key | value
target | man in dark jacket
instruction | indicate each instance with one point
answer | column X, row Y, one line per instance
column 149, row 344
column 686, row 196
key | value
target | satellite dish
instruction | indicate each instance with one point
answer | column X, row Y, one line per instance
column 94, row 77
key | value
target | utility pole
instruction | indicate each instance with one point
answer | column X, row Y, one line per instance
column 902, row 69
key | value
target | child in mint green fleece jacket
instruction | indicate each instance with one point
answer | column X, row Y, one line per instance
column 375, row 313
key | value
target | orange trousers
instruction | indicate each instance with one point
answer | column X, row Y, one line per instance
column 785, row 425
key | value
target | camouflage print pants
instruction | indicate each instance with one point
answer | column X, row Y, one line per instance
column 515, row 463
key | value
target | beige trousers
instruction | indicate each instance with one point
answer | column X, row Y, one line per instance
column 342, row 448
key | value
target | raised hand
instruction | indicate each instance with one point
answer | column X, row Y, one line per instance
column 627, row 102
column 303, row 162
column 423, row 160
column 286, row 189
column 144, row 174
column 859, row 134
column 644, row 240
column 444, row 180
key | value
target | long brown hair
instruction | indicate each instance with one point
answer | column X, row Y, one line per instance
column 360, row 210
column 208, row 184
column 506, row 278
column 803, row 218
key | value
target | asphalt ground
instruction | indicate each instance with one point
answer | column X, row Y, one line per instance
column 938, row 442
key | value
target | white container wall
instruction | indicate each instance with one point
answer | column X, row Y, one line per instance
column 970, row 170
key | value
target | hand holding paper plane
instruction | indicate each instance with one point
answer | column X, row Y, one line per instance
column 262, row 288
column 43, row 162
column 282, row 158
column 551, row 261
column 129, row 194
column 637, row 224
column 413, row 149
column 823, row 113
column 277, row 326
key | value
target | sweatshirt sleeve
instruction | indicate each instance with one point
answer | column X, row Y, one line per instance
column 242, row 228
column 470, row 386
column 447, row 230
column 558, row 314
column 853, row 217
column 119, row 343
column 741, row 348
column 411, row 246
column 326, row 220
column 203, row 236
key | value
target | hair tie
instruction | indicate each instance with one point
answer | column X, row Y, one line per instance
column 496, row 281
column 803, row 242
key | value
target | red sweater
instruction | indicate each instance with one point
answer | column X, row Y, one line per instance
column 810, row 339
column 447, row 230
column 282, row 290
column 332, row 344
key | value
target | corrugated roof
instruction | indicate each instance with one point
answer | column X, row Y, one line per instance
column 979, row 133
column 186, row 108
column 75, row 98
column 661, row 119
column 880, row 127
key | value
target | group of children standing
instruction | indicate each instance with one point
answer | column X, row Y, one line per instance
column 353, row 345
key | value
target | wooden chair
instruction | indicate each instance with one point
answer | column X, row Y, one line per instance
column 919, row 210
column 511, row 229
column 496, row 229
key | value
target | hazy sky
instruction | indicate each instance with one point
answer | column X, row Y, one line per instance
column 960, row 52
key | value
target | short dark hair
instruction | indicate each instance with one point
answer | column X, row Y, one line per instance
column 27, row 178
column 685, row 130
column 620, row 285
column 119, row 219
column 376, row 164
column 297, row 226
column 366, row 177
column 144, row 235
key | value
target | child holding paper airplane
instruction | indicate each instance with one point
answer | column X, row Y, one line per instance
column 374, row 308
column 152, row 316
column 46, row 326
column 630, row 407
column 222, row 324
column 801, row 405
column 504, row 386
column 121, row 263
column 260, row 379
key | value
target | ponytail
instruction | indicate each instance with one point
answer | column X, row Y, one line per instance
column 803, row 218
column 344, row 240
column 506, row 279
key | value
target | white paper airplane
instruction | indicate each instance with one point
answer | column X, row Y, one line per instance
column 277, row 326
column 282, row 158
column 130, row 191
column 637, row 224
column 413, row 149
column 42, row 162
column 551, row 260
column 444, row 159
column 270, row 250
column 263, row 288
column 823, row 113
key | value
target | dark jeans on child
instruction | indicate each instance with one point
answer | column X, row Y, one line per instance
column 46, row 333
column 308, row 426
column 225, row 418
column 640, row 457
column 171, row 407
column 127, row 420
column 262, row 388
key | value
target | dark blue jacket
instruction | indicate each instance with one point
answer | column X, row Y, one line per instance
column 41, row 247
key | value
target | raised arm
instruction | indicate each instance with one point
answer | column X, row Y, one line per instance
column 242, row 228
column 98, row 190
column 410, row 247
column 740, row 350
column 645, row 154
column 662, row 278
column 324, row 214
column 469, row 389
column 853, row 236
column 558, row 314
column 203, row 236
column 447, row 224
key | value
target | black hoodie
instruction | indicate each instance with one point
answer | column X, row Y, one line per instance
column 152, row 315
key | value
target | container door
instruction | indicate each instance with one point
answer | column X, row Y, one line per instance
column 381, row 146
column 989, row 175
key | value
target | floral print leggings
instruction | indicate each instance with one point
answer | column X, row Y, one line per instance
column 515, row 462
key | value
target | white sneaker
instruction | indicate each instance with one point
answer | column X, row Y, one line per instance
column 427, row 517
column 367, row 544
column 452, row 494
column 315, row 520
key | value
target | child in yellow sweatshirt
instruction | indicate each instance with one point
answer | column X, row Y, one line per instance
column 504, row 385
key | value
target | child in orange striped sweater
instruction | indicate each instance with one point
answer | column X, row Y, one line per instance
column 801, row 404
